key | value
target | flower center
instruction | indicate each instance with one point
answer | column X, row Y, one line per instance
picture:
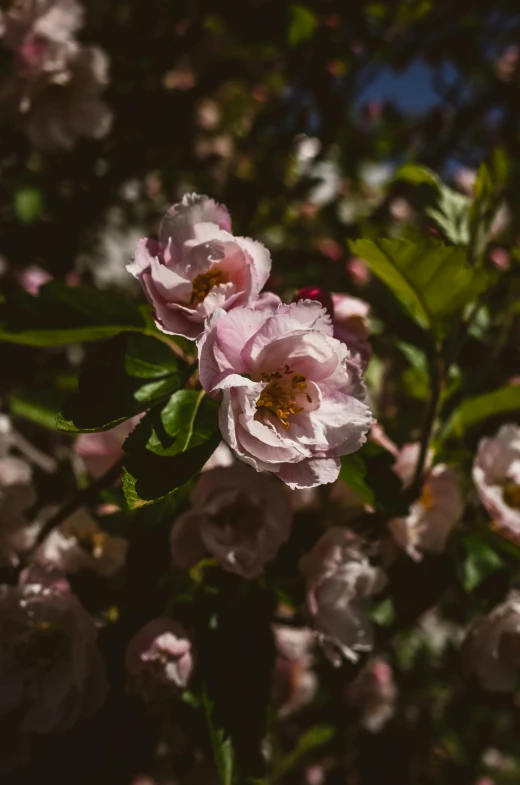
column 427, row 499
column 280, row 394
column 93, row 542
column 511, row 491
column 204, row 283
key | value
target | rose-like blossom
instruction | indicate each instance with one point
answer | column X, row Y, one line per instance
column 339, row 580
column 351, row 326
column 294, row 682
column 238, row 516
column 159, row 656
column 51, row 671
column 491, row 649
column 80, row 544
column 374, row 692
column 61, row 113
column 432, row 517
column 292, row 400
column 198, row 266
column 99, row 451
column 496, row 474
column 33, row 278
column 406, row 462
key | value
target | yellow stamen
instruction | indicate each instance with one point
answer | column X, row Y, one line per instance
column 204, row 283
column 512, row 494
column 279, row 395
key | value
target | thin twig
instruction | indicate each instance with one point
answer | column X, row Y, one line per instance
column 437, row 378
column 82, row 497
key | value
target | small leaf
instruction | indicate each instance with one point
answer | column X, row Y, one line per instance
column 311, row 740
column 418, row 175
column 39, row 406
column 302, row 24
column 352, row 472
column 432, row 279
column 223, row 753
column 120, row 378
column 474, row 410
column 481, row 561
column 28, row 204
column 170, row 445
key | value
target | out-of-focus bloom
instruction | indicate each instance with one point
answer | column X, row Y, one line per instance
column 351, row 326
column 406, row 462
column 99, row 451
column 80, row 544
column 294, row 681
column 198, row 266
column 492, row 645
column 500, row 258
column 32, row 278
column 159, row 656
column 432, row 517
column 60, row 114
column 374, row 692
column 496, row 474
column 182, row 78
column 292, row 400
column 17, row 534
column 51, row 671
column 339, row 581
column 358, row 271
column 506, row 67
column 116, row 243
column 208, row 114
column 221, row 457
column 239, row 516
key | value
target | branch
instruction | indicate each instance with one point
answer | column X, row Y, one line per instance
column 81, row 497
column 436, row 378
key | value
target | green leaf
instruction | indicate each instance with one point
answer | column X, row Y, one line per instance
column 418, row 175
column 28, row 204
column 302, row 24
column 311, row 740
column 481, row 561
column 63, row 314
column 39, row 406
column 223, row 753
column 170, row 445
column 474, row 410
column 352, row 472
column 491, row 182
column 432, row 279
column 120, row 378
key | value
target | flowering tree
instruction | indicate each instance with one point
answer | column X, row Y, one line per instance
column 259, row 449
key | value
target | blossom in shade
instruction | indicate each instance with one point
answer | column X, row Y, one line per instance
column 292, row 399
column 238, row 516
column 60, row 114
column 159, row 656
column 496, row 474
column 351, row 326
column 17, row 533
column 340, row 579
column 198, row 266
column 294, row 682
column 374, row 693
column 432, row 517
column 51, row 671
column 491, row 649
column 33, row 278
column 80, row 544
column 99, row 451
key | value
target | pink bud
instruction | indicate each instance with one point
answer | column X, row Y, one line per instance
column 316, row 293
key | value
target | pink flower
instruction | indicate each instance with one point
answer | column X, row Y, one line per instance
column 51, row 671
column 496, row 474
column 239, row 517
column 294, row 682
column 80, row 544
column 159, row 656
column 432, row 517
column 351, row 326
column 374, row 692
column 292, row 400
column 406, row 462
column 100, row 451
column 33, row 278
column 491, row 647
column 198, row 266
column 61, row 113
column 17, row 495
column 339, row 580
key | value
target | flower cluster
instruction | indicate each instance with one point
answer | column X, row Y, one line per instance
column 55, row 82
